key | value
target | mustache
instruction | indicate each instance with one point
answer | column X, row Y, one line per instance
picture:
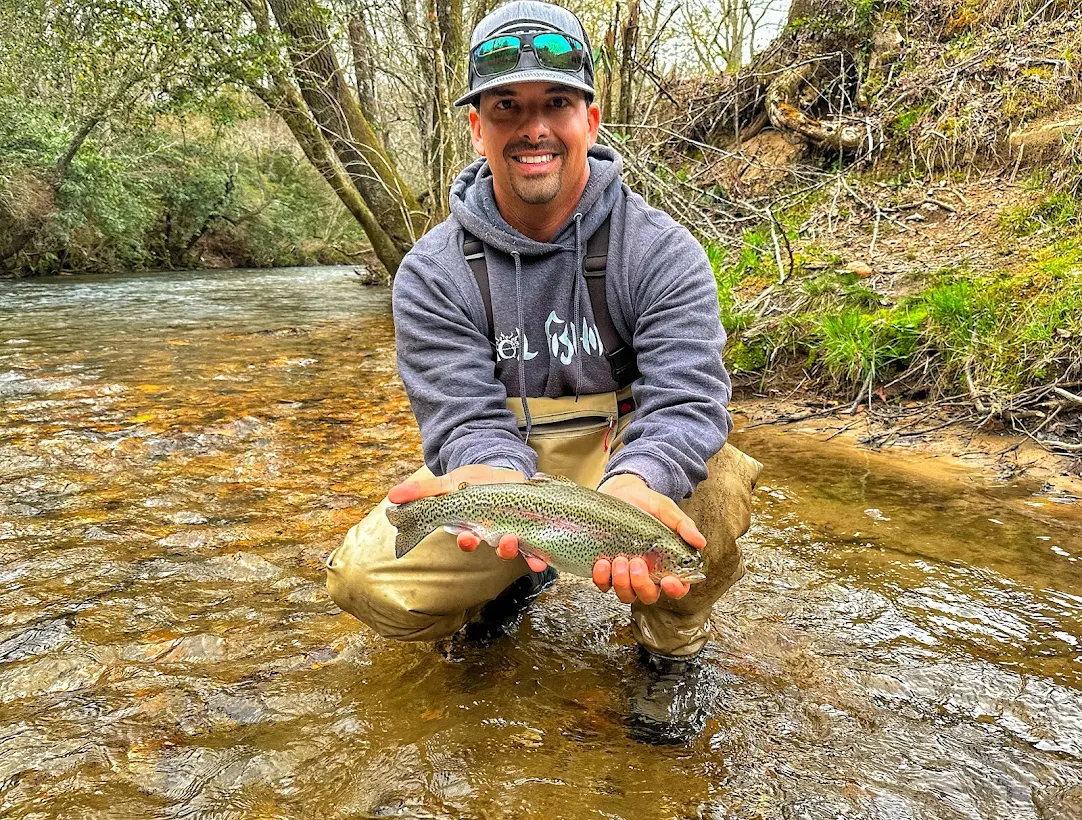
column 548, row 146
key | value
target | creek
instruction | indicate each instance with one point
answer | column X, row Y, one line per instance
column 178, row 454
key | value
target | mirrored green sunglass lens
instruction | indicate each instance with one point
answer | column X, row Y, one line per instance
column 497, row 56
column 556, row 51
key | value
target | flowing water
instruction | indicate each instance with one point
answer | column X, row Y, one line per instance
column 179, row 452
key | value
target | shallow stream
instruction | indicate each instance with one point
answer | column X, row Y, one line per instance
column 178, row 454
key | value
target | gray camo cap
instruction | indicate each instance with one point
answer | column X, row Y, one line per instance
column 524, row 16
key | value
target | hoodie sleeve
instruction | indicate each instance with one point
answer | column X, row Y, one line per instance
column 447, row 368
column 681, row 420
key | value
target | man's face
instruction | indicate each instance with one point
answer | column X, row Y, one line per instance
column 535, row 137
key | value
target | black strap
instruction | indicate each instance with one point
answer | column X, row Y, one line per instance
column 621, row 356
column 474, row 251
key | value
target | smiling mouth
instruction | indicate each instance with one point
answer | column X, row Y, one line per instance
column 538, row 160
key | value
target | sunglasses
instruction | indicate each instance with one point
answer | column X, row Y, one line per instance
column 501, row 54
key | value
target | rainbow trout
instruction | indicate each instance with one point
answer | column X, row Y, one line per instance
column 555, row 519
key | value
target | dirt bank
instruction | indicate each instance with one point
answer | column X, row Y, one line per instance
column 927, row 440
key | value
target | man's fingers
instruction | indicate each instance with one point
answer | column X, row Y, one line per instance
column 602, row 574
column 406, row 491
column 467, row 541
column 645, row 589
column 687, row 530
column 674, row 587
column 621, row 580
column 508, row 547
column 441, row 485
column 669, row 514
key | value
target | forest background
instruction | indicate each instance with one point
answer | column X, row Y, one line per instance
column 888, row 190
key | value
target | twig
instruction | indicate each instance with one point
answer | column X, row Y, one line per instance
column 791, row 419
column 973, row 389
column 841, row 430
column 1059, row 391
column 1061, row 445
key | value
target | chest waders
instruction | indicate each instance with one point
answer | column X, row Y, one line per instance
column 433, row 590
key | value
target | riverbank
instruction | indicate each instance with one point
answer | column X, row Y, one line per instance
column 944, row 305
column 928, row 440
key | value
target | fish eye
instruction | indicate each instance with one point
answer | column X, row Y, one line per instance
column 688, row 561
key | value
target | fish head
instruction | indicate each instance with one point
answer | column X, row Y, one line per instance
column 674, row 557
column 689, row 566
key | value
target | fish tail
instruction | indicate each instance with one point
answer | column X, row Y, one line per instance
column 410, row 521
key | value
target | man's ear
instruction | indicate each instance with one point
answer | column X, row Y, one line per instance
column 593, row 122
column 475, row 132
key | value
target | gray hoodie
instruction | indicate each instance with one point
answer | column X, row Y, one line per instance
column 662, row 296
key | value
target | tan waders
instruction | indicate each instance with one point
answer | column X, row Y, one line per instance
column 432, row 591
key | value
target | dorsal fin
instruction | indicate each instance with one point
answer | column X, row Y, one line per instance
column 545, row 478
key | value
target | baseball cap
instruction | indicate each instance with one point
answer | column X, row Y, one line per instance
column 525, row 17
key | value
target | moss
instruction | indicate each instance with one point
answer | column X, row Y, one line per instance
column 747, row 357
column 1008, row 331
column 905, row 120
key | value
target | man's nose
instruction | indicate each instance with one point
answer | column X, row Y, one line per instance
column 535, row 125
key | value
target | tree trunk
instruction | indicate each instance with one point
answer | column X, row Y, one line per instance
column 360, row 43
column 445, row 36
column 341, row 121
column 286, row 101
column 629, row 44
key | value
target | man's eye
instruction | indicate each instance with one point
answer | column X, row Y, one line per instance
column 503, row 105
column 560, row 102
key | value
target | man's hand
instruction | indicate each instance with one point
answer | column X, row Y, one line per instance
column 468, row 474
column 631, row 578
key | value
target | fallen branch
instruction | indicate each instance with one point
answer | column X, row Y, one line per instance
column 1059, row 391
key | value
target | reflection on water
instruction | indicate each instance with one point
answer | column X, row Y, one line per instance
column 179, row 452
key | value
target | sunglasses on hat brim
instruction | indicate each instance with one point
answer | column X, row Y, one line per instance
column 553, row 50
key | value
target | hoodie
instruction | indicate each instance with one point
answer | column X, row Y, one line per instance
column 663, row 299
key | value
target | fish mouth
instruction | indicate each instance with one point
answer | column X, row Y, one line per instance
column 693, row 577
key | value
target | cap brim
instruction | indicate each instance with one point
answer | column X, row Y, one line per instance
column 533, row 75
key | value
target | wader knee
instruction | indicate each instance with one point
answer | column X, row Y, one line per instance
column 382, row 604
column 721, row 508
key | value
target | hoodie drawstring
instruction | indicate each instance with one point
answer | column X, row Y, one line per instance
column 521, row 347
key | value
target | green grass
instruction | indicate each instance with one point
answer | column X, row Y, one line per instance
column 1059, row 210
column 1010, row 331
column 854, row 346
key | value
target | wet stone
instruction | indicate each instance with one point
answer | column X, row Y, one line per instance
column 37, row 640
column 187, row 517
column 192, row 540
column 49, row 675
column 100, row 534
column 195, row 649
column 240, row 566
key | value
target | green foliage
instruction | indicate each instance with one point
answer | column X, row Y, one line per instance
column 961, row 46
column 866, row 11
column 855, row 346
column 183, row 194
column 1060, row 210
column 1008, row 332
column 905, row 121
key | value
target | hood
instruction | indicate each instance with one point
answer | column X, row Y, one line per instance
column 473, row 204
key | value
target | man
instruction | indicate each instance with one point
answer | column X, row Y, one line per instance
column 515, row 364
